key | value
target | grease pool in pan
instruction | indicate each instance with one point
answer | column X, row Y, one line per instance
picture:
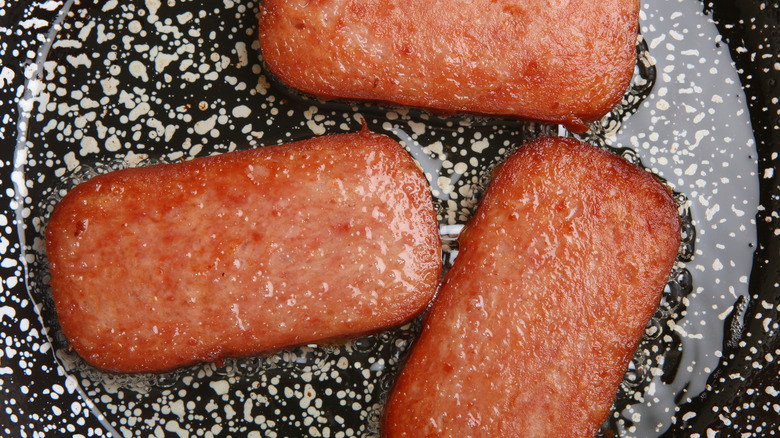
column 172, row 81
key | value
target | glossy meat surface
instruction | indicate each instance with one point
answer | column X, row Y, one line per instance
column 153, row 268
column 557, row 61
column 557, row 276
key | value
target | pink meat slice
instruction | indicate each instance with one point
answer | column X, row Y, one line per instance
column 558, row 273
column 558, row 61
column 158, row 267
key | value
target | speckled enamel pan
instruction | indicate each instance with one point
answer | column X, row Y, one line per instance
column 87, row 87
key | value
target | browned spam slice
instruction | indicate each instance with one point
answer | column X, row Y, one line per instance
column 557, row 276
column 157, row 267
column 557, row 61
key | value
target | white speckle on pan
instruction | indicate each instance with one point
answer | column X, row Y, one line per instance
column 102, row 35
column 110, row 86
column 79, row 60
column 7, row 311
column 152, row 6
column 175, row 427
column 51, row 5
column 138, row 111
column 243, row 55
column 417, row 127
column 480, row 145
column 71, row 162
column 6, row 76
column 138, row 70
column 89, row 145
column 314, row 121
column 134, row 26
column 204, row 126
column 112, row 144
column 229, row 412
column 109, row 5
column 241, row 111
column 711, row 211
column 163, row 60
column 33, row 23
column 221, row 387
column 184, row 17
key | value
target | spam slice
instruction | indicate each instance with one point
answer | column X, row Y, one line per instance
column 557, row 276
column 158, row 267
column 564, row 62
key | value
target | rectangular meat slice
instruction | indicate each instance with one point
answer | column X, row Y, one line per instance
column 564, row 62
column 157, row 267
column 558, row 273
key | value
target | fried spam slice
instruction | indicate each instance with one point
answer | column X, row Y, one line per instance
column 158, row 267
column 557, row 275
column 555, row 61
